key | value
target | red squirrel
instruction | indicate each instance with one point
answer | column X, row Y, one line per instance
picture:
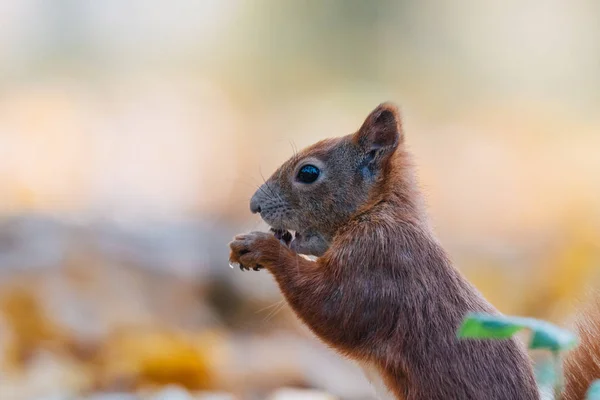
column 382, row 291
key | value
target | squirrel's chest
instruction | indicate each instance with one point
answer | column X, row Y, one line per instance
column 373, row 375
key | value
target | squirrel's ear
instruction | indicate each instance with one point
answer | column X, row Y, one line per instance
column 381, row 130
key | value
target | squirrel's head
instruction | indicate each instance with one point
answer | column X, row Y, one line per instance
column 319, row 189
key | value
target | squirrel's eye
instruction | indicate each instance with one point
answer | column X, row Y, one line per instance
column 308, row 174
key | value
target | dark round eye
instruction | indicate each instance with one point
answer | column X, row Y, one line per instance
column 308, row 174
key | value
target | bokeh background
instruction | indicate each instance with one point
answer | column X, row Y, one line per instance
column 133, row 133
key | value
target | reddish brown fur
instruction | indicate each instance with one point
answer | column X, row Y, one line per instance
column 582, row 365
column 384, row 292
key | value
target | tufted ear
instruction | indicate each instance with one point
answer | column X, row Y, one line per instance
column 381, row 131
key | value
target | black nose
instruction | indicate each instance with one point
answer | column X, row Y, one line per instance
column 254, row 205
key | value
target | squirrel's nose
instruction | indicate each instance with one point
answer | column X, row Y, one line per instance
column 255, row 204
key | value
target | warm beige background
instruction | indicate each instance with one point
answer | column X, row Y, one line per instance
column 151, row 117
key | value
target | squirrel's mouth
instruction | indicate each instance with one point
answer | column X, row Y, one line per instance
column 284, row 236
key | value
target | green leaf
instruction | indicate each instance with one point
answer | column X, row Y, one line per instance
column 486, row 326
column 551, row 337
column 544, row 334
column 594, row 391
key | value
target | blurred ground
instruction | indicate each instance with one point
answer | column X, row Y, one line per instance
column 132, row 135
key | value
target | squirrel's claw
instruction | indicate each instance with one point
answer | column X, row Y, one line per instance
column 257, row 267
column 254, row 251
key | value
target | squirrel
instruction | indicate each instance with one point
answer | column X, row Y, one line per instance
column 382, row 291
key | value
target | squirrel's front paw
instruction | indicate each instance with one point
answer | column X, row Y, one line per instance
column 256, row 250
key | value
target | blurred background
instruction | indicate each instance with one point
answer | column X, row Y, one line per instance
column 133, row 133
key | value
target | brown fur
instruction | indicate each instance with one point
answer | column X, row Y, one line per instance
column 383, row 291
column 582, row 365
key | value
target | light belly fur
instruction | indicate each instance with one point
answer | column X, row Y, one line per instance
column 374, row 377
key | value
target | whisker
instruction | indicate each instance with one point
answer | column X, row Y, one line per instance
column 294, row 151
column 269, row 187
column 256, row 186
column 271, row 195
column 270, row 306
column 275, row 311
column 265, row 181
